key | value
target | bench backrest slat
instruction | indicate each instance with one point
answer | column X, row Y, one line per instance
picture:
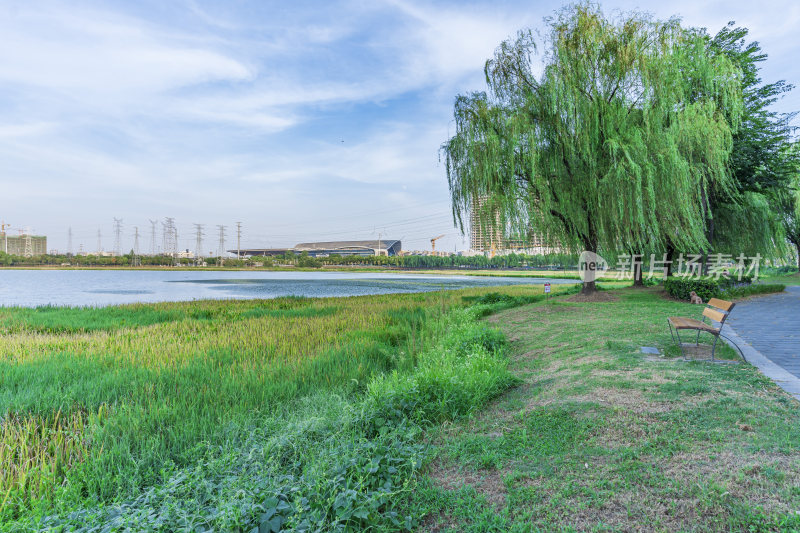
column 720, row 304
column 713, row 314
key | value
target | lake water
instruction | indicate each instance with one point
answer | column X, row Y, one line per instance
column 30, row 288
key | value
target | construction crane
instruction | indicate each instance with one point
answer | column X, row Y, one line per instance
column 433, row 242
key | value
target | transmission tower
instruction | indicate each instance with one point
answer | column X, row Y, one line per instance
column 175, row 240
column 135, row 258
column 117, row 237
column 153, row 224
column 221, row 247
column 198, row 254
column 99, row 242
column 238, row 240
column 28, row 243
column 170, row 237
column 69, row 241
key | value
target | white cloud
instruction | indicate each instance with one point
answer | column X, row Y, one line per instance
column 88, row 54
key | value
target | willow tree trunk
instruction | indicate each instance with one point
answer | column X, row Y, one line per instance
column 638, row 281
column 670, row 257
column 589, row 287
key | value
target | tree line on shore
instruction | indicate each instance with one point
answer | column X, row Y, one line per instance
column 551, row 261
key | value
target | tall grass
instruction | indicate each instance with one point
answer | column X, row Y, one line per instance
column 198, row 387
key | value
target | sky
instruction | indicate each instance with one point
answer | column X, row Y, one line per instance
column 304, row 121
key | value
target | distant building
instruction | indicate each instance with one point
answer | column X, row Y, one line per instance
column 321, row 249
column 492, row 238
column 483, row 237
column 388, row 247
column 24, row 245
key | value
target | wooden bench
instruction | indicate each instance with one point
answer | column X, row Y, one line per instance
column 717, row 310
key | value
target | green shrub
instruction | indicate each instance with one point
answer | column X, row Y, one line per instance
column 681, row 287
column 734, row 281
column 751, row 290
column 707, row 288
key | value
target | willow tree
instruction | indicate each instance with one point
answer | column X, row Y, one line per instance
column 763, row 160
column 609, row 143
column 790, row 212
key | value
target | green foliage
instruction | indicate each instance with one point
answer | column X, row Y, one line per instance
column 466, row 369
column 617, row 140
column 763, row 161
column 706, row 288
column 752, row 290
column 751, row 225
column 789, row 203
column 304, row 261
column 681, row 287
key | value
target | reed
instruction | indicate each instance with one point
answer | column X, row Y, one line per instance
column 133, row 390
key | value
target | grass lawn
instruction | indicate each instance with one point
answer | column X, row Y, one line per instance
column 599, row 437
column 786, row 279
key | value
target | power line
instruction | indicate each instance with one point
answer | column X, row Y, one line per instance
column 423, row 221
column 351, row 216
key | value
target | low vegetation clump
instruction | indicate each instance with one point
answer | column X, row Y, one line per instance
column 709, row 287
column 289, row 413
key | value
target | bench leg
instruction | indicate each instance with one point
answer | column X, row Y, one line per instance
column 680, row 343
column 714, row 347
column 741, row 353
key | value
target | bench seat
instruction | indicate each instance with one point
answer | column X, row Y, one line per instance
column 680, row 322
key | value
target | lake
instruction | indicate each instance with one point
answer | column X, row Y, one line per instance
column 30, row 288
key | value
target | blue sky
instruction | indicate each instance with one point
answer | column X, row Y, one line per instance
column 304, row 121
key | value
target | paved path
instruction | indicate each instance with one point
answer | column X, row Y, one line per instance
column 770, row 328
column 771, row 324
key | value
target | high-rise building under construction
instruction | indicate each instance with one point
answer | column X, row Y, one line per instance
column 486, row 236
column 23, row 245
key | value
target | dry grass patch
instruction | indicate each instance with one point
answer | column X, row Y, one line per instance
column 488, row 483
column 751, row 477
column 597, row 297
column 631, row 400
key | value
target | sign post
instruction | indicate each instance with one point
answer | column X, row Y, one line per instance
column 547, row 290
